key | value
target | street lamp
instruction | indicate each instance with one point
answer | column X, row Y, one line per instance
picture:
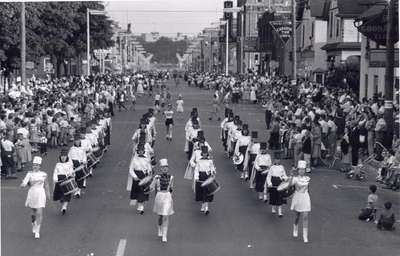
column 88, row 13
column 226, row 23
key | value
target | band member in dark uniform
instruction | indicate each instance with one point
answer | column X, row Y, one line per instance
column 192, row 137
column 62, row 171
column 139, row 169
column 262, row 163
column 204, row 169
column 242, row 143
column 163, row 203
column 275, row 177
column 226, row 126
column 79, row 160
column 252, row 151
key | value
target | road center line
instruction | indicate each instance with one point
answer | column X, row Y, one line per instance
column 121, row 247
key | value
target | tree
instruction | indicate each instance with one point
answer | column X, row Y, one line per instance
column 56, row 29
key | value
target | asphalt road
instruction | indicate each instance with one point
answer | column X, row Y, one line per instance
column 103, row 223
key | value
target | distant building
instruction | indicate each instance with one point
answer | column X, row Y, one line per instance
column 151, row 37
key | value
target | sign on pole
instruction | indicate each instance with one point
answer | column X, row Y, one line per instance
column 283, row 28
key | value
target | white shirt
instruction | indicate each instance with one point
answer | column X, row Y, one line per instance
column 139, row 163
column 276, row 171
column 262, row 160
column 63, row 169
column 78, row 154
column 7, row 145
column 204, row 165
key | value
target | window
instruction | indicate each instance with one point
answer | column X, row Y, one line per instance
column 331, row 25
column 376, row 79
column 337, row 27
column 312, row 30
column 366, row 86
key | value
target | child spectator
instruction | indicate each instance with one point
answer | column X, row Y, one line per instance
column 386, row 220
column 368, row 213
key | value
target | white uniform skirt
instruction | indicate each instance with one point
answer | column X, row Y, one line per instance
column 36, row 198
column 179, row 109
column 301, row 202
column 163, row 203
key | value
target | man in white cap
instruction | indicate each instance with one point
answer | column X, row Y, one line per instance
column 163, row 203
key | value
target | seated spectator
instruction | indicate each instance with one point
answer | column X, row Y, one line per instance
column 387, row 219
column 368, row 213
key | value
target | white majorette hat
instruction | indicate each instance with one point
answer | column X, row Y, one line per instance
column 302, row 164
column 37, row 160
column 163, row 162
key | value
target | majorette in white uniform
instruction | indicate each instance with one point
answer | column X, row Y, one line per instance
column 301, row 202
column 36, row 197
column 163, row 202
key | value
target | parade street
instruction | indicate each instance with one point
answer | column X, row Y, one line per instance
column 103, row 223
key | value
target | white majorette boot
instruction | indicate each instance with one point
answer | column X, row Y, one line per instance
column 37, row 233
column 305, row 235
column 164, row 233
column 160, row 231
column 295, row 230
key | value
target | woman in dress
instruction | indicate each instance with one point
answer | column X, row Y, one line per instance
column 301, row 202
column 37, row 193
column 63, row 171
column 163, row 203
column 179, row 106
column 169, row 121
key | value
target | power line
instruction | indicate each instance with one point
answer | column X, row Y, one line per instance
column 168, row 11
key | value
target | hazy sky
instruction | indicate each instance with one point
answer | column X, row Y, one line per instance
column 203, row 12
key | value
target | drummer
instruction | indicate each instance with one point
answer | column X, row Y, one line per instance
column 275, row 177
column 78, row 157
column 196, row 156
column 301, row 202
column 163, row 203
column 262, row 163
column 192, row 136
column 204, row 170
column 227, row 127
column 63, row 171
column 141, row 131
column 242, row 143
column 151, row 126
column 139, row 169
column 224, row 131
column 86, row 145
column 233, row 135
column 252, row 151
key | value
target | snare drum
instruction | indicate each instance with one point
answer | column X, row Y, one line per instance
column 69, row 186
column 211, row 186
column 81, row 172
column 145, row 184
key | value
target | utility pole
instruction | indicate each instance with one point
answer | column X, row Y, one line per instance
column 23, row 45
column 227, row 48
column 88, row 40
column 389, row 79
column 241, row 40
column 294, row 57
